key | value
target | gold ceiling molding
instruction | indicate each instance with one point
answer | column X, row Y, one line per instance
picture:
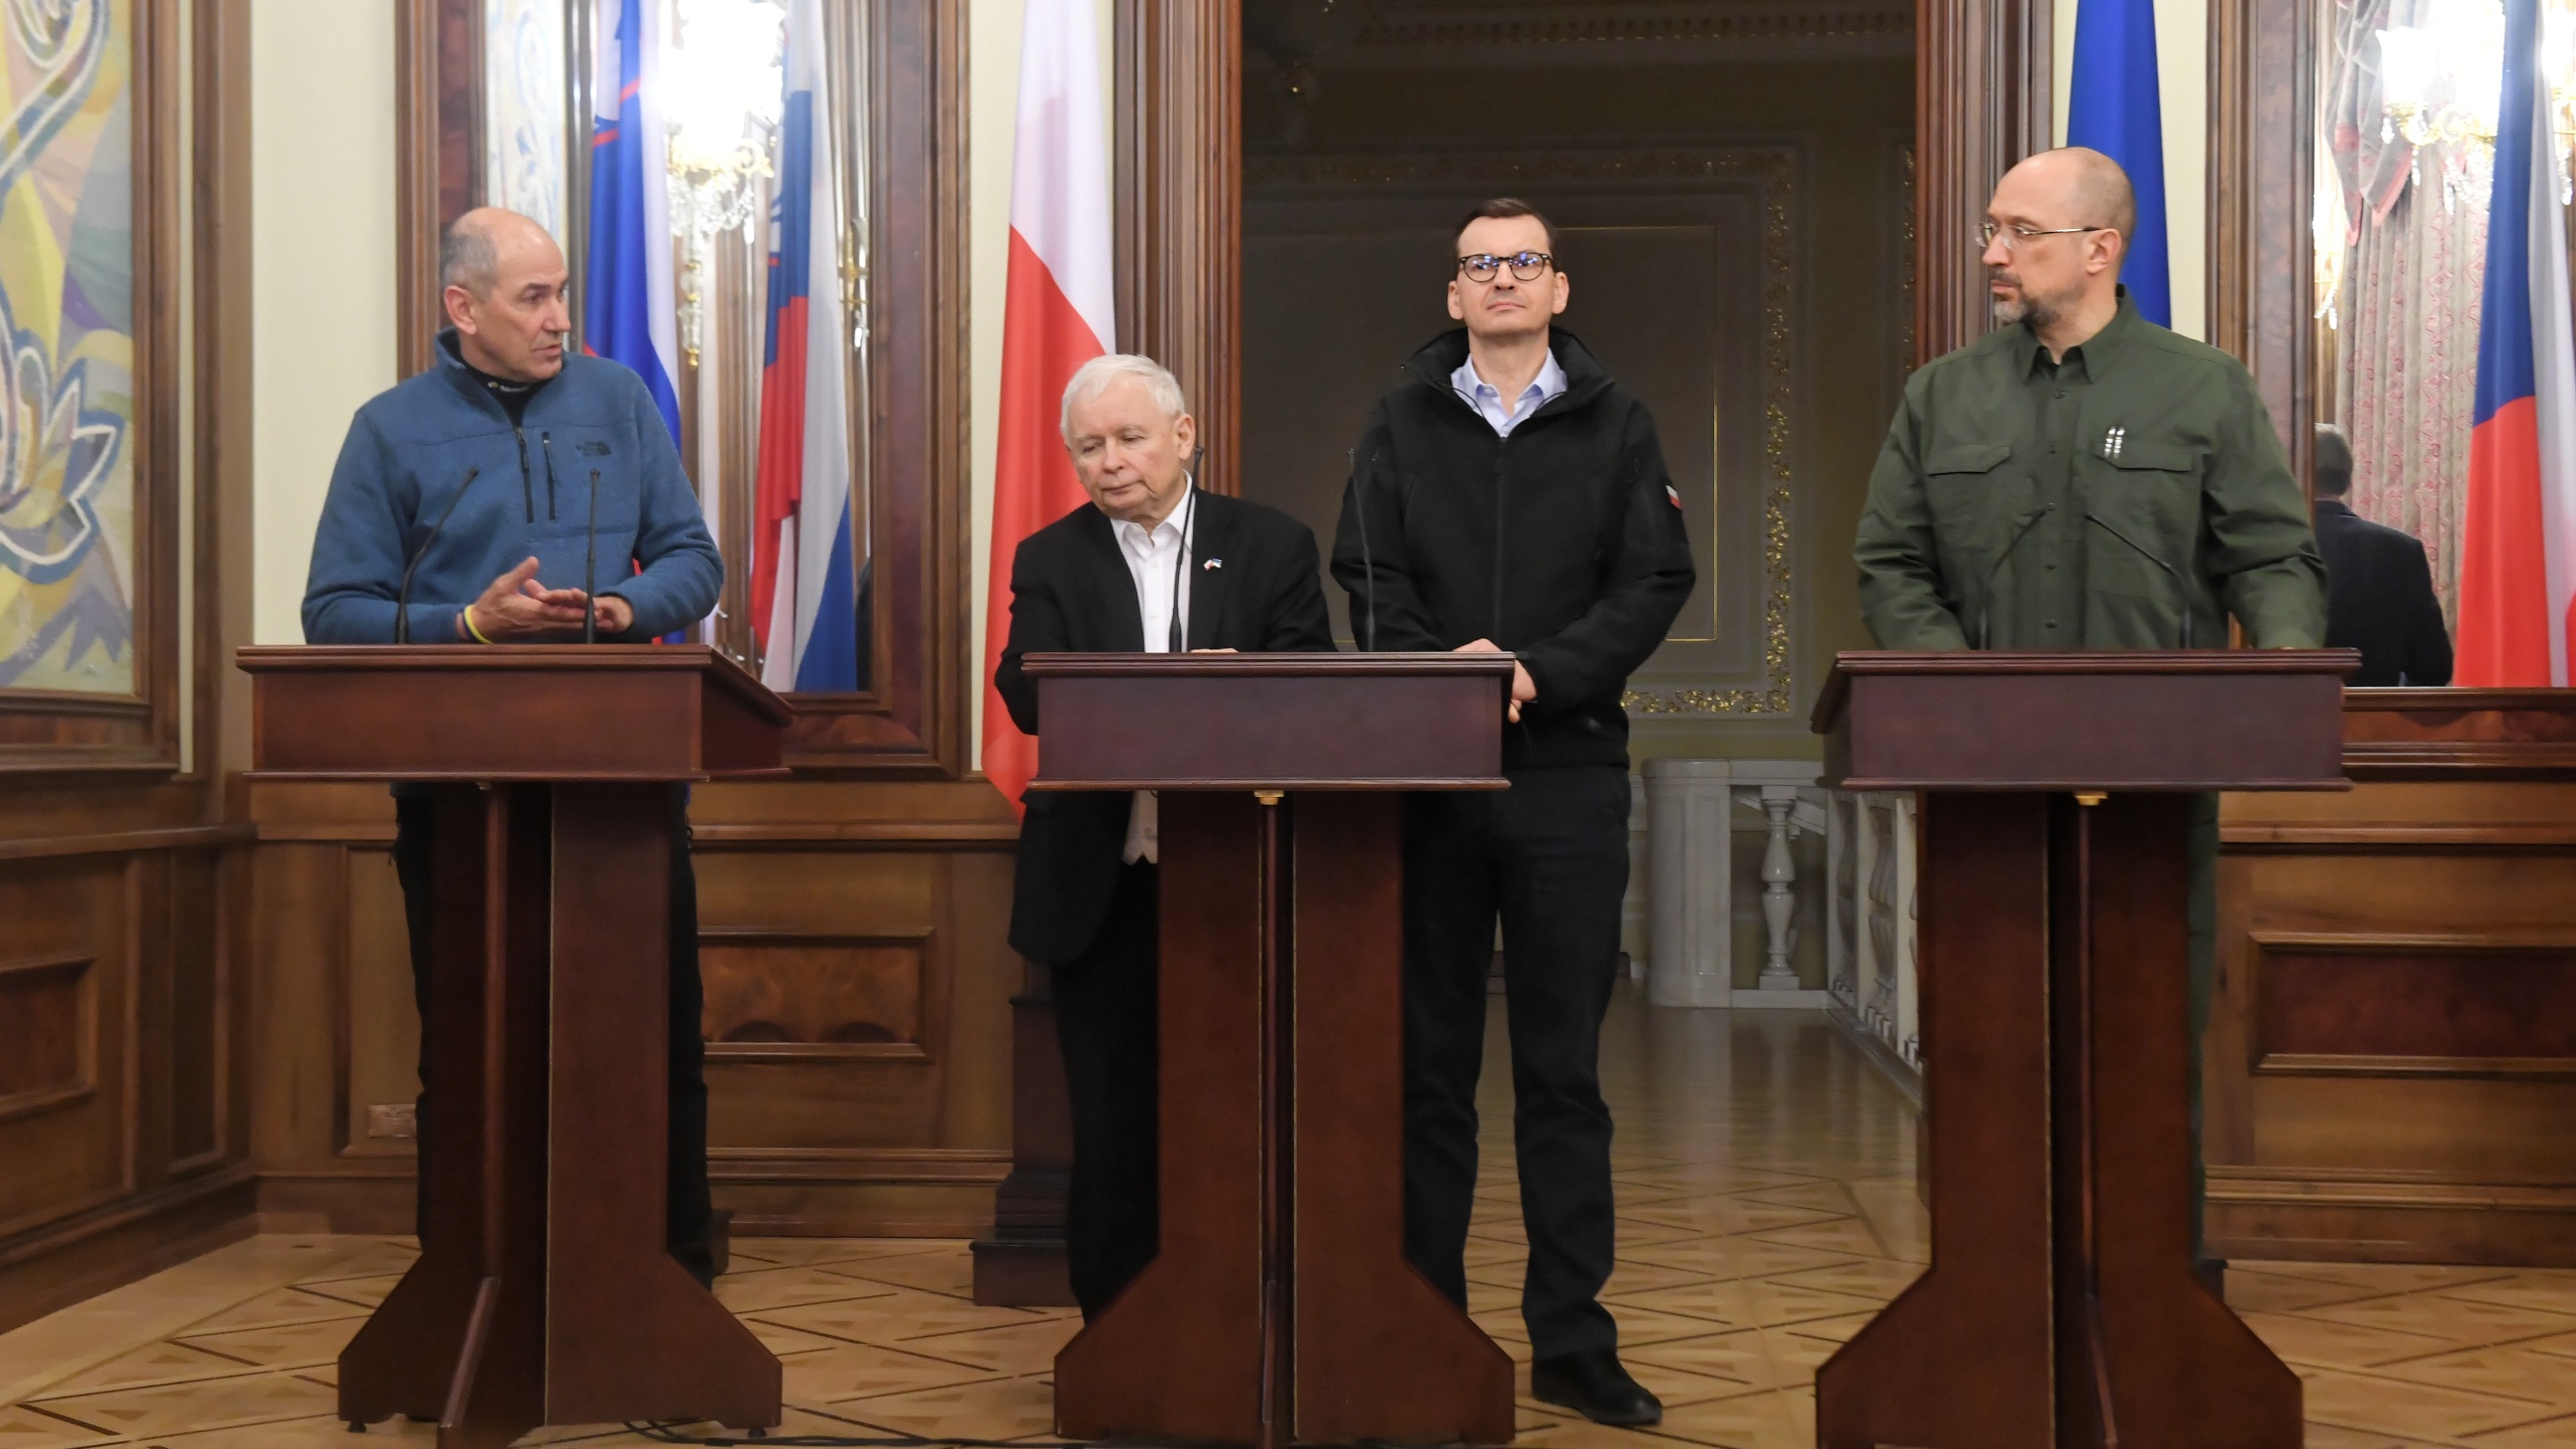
column 1628, row 29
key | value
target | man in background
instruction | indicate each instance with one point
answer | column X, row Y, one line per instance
column 2379, row 591
column 1510, row 497
column 462, row 512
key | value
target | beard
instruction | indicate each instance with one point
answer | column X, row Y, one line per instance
column 2023, row 307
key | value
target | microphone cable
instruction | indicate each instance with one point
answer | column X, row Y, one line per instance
column 402, row 591
column 2182, row 592
column 590, row 569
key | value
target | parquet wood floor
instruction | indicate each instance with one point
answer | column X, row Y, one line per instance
column 1767, row 1208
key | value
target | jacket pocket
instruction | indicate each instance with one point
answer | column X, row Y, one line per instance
column 1979, row 502
column 2145, row 509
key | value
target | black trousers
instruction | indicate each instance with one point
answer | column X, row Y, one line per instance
column 1107, row 1010
column 1551, row 856
column 689, row 1212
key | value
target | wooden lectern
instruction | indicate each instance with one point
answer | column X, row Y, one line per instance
column 2061, row 1308
column 543, row 1293
column 1281, row 1308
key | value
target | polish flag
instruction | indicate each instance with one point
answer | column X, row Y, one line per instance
column 1060, row 312
column 2518, row 550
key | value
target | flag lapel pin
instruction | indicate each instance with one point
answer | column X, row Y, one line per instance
column 1214, row 563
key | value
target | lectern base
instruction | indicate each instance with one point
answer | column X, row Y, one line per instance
column 2062, row 1307
column 543, row 1294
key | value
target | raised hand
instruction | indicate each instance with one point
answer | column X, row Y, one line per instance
column 516, row 609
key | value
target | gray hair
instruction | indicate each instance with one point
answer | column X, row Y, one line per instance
column 467, row 257
column 1093, row 377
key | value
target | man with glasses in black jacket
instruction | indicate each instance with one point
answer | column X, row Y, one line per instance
column 1510, row 497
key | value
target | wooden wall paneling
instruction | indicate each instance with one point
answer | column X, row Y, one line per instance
column 1982, row 97
column 2389, row 1065
column 121, row 1141
column 1179, row 207
column 438, row 156
column 2261, row 257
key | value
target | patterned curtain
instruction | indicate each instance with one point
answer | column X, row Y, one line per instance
column 2407, row 363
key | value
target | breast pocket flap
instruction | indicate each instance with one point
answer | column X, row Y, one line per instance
column 2154, row 458
column 1968, row 458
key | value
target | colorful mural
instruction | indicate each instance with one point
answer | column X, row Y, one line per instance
column 67, row 501
column 523, row 116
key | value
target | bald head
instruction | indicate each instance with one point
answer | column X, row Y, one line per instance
column 2094, row 185
column 469, row 256
column 503, row 279
column 2058, row 230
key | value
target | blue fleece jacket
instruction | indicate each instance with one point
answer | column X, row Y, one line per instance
column 440, row 444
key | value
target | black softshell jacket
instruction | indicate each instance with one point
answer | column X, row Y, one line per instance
column 1562, row 543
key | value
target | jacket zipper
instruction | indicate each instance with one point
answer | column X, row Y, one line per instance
column 527, row 485
column 546, row 441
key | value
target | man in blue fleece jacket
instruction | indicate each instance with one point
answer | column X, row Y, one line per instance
column 478, row 482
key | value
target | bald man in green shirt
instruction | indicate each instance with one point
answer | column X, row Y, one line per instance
column 2082, row 478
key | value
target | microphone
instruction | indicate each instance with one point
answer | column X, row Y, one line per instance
column 2181, row 591
column 1986, row 597
column 402, row 591
column 590, row 570
column 1368, row 561
column 1176, row 629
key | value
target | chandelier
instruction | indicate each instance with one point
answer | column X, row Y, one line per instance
column 722, row 97
column 2441, row 80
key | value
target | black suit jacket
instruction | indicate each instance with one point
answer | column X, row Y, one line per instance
column 1256, row 585
column 2379, row 600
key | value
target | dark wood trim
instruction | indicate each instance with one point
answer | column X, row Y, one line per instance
column 911, row 720
column 1179, row 208
column 2262, row 262
column 438, row 155
column 1982, row 101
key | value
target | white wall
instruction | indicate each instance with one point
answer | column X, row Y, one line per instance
column 992, row 92
column 2182, row 80
column 322, row 269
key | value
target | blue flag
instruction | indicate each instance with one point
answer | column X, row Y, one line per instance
column 2112, row 107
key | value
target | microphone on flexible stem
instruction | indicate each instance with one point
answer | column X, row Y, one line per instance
column 590, row 570
column 1368, row 561
column 402, row 591
column 1986, row 600
column 2181, row 592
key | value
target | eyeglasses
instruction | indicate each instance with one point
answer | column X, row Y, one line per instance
column 1987, row 233
column 1527, row 266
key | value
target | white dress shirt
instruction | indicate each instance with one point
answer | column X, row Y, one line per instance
column 1159, row 563
column 1487, row 399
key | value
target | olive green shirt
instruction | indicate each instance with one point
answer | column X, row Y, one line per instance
column 2095, row 502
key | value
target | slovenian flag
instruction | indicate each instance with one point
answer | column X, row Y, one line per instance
column 627, row 311
column 2112, row 106
column 2518, row 544
column 1059, row 312
column 804, row 597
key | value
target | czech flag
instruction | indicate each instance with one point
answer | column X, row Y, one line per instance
column 627, row 309
column 2518, row 549
column 804, row 595
column 1059, row 312
column 2113, row 106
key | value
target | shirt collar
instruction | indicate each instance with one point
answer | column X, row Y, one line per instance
column 1549, row 382
column 1130, row 532
column 2095, row 354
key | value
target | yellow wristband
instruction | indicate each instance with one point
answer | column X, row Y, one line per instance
column 469, row 626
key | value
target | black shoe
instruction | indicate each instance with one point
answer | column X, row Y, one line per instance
column 1593, row 1384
